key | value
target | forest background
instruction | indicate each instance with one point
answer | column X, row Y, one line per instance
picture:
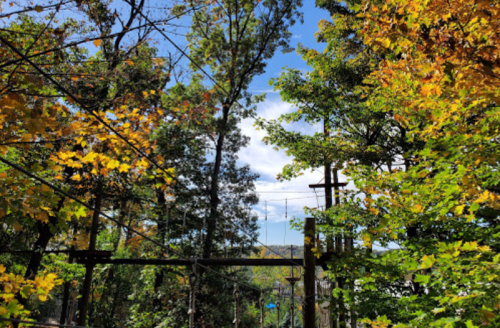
column 114, row 140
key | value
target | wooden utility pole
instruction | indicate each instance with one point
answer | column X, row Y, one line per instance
column 338, row 245
column 83, row 303
column 309, row 317
column 339, row 249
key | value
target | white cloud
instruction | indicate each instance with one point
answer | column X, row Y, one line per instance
column 268, row 163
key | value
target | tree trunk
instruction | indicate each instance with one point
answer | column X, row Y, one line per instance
column 162, row 227
column 89, row 266
column 214, row 187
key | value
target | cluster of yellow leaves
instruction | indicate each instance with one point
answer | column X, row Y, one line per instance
column 12, row 286
column 444, row 83
column 89, row 148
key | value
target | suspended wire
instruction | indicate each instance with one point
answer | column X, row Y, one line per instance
column 101, row 213
column 284, row 192
column 109, row 127
column 139, row 11
column 284, row 199
column 266, row 222
column 317, row 199
column 286, row 219
column 295, row 212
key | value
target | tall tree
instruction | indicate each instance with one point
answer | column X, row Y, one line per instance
column 234, row 39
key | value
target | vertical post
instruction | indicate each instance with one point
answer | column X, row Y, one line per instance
column 292, row 304
column 83, row 303
column 309, row 274
column 193, row 279
column 261, row 311
column 328, row 187
column 236, row 295
column 340, row 249
column 292, row 280
column 278, row 305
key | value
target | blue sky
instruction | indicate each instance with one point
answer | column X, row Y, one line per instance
column 262, row 158
column 268, row 162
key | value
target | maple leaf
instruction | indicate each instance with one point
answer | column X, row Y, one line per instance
column 124, row 168
column 90, row 157
column 113, row 164
column 427, row 262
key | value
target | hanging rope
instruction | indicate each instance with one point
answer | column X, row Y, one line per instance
column 167, row 223
column 236, row 294
column 183, row 224
column 266, row 222
column 286, row 219
column 193, row 279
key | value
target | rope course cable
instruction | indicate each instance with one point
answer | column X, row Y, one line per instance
column 137, row 150
column 284, row 238
column 193, row 280
column 141, row 153
column 282, row 199
column 236, row 295
column 109, row 127
column 123, row 225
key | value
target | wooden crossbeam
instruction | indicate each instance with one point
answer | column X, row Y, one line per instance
column 322, row 185
column 74, row 253
column 205, row 262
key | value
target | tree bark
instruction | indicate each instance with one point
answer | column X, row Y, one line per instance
column 214, row 186
column 89, row 266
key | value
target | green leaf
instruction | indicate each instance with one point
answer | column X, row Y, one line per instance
column 427, row 262
column 424, row 279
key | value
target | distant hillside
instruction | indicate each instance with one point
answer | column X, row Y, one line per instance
column 285, row 251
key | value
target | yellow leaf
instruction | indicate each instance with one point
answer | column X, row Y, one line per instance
column 124, row 168
column 427, row 262
column 483, row 198
column 426, row 89
column 129, row 62
column 459, row 209
column 90, row 157
column 42, row 216
column 97, row 43
column 76, row 177
column 113, row 164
